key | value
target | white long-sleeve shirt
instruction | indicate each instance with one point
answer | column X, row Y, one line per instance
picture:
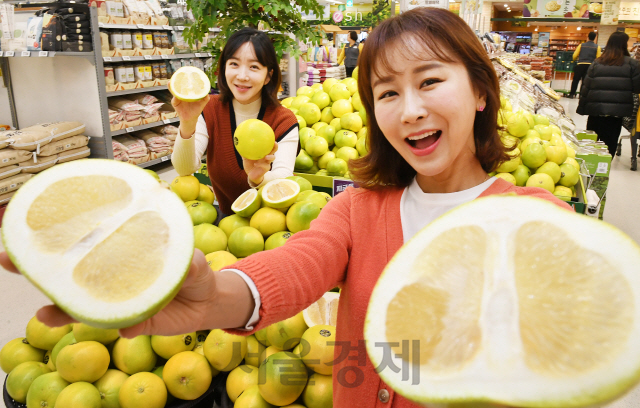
column 417, row 210
column 187, row 153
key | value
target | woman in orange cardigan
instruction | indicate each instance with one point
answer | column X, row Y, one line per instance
column 432, row 97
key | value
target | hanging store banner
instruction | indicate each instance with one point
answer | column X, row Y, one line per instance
column 629, row 11
column 406, row 5
column 610, row 12
column 471, row 12
column 556, row 9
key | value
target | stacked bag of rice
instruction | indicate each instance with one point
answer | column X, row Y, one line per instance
column 34, row 149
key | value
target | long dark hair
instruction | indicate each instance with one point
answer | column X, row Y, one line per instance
column 266, row 54
column 449, row 39
column 616, row 49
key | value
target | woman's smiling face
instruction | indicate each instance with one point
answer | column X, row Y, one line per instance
column 245, row 75
column 426, row 108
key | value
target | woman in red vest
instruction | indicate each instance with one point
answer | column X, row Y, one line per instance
column 249, row 79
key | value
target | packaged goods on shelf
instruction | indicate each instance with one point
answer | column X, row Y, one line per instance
column 130, row 149
column 35, row 137
column 4, row 198
column 37, row 164
column 13, row 183
column 170, row 132
column 136, row 110
column 74, row 154
column 9, row 157
column 156, row 143
column 9, row 171
column 62, row 145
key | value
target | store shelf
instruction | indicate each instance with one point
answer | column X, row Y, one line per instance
column 143, row 127
column 157, row 57
column 137, row 90
column 156, row 161
column 147, row 27
column 45, row 54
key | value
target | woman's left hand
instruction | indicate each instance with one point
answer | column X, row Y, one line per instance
column 256, row 169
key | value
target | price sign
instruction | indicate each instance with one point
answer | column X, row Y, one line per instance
column 126, row 58
column 140, row 25
column 165, row 158
column 340, row 185
column 180, row 28
column 147, row 57
column 107, row 59
column 198, row 55
column 26, row 53
column 166, row 27
column 43, row 54
column 166, row 121
column 164, row 56
column 209, row 54
column 129, row 129
column 9, row 54
column 100, row 25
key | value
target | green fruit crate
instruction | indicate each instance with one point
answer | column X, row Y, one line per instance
column 579, row 203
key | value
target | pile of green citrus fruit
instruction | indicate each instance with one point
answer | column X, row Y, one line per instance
column 541, row 157
column 82, row 366
column 332, row 126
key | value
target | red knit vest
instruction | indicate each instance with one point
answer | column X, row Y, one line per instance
column 224, row 163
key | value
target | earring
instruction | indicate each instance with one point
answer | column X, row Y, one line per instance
column 481, row 108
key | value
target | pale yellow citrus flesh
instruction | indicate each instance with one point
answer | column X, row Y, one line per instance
column 140, row 243
column 245, row 199
column 446, row 301
column 322, row 312
column 69, row 209
column 576, row 309
column 188, row 85
column 279, row 192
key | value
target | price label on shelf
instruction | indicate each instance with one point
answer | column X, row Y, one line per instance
column 43, row 54
column 198, row 55
column 9, row 54
column 140, row 25
column 26, row 53
column 129, row 129
column 166, row 27
column 180, row 28
column 1, row 53
column 126, row 58
column 147, row 57
column 107, row 59
column 166, row 121
column 165, row 158
column 209, row 54
column 164, row 56
column 100, row 25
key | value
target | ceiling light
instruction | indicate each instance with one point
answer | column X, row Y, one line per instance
column 506, row 5
column 579, row 28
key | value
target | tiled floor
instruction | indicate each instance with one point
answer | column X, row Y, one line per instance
column 19, row 300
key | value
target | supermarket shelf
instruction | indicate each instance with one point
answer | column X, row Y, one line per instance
column 143, row 127
column 45, row 54
column 156, row 161
column 137, row 90
column 147, row 27
column 157, row 57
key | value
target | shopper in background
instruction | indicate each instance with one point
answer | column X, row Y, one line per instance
column 249, row 79
column 350, row 54
column 586, row 53
column 607, row 90
column 432, row 96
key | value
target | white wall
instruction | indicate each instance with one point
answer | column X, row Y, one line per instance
column 5, row 112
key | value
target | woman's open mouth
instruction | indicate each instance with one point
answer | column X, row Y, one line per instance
column 424, row 143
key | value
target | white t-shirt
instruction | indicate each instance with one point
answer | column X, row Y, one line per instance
column 417, row 210
column 187, row 153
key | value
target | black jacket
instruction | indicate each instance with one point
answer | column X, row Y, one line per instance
column 608, row 90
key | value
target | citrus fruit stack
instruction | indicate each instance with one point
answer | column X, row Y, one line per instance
column 304, row 345
column 510, row 300
column 541, row 157
column 84, row 366
column 264, row 219
column 332, row 127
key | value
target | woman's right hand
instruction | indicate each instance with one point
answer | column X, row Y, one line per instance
column 189, row 112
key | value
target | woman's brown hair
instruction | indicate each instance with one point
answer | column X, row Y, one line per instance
column 616, row 49
column 266, row 54
column 448, row 38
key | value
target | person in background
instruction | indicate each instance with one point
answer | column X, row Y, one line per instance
column 249, row 79
column 350, row 54
column 585, row 54
column 607, row 90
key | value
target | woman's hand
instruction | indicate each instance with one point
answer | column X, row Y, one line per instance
column 197, row 306
column 256, row 169
column 189, row 112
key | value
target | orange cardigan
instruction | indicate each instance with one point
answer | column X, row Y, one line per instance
column 349, row 245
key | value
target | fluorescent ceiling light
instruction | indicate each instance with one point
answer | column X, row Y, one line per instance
column 506, row 5
column 579, row 28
